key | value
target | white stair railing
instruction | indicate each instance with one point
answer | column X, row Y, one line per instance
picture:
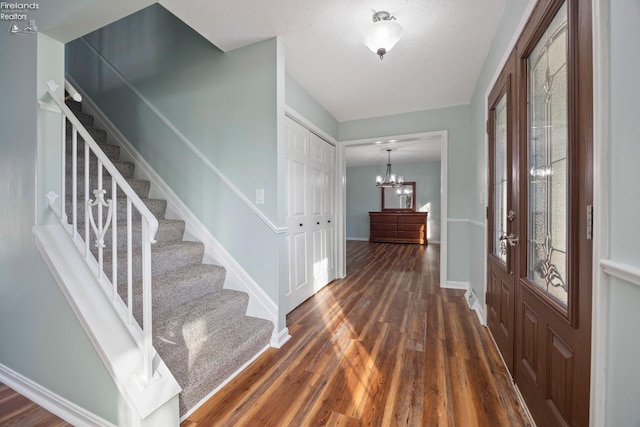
column 93, row 222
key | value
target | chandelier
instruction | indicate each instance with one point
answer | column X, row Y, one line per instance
column 390, row 179
column 383, row 34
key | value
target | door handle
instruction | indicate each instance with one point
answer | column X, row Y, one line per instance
column 512, row 239
column 300, row 224
column 317, row 222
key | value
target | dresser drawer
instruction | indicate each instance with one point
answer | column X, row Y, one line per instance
column 384, row 219
column 411, row 227
column 410, row 234
column 380, row 226
column 382, row 234
column 412, row 219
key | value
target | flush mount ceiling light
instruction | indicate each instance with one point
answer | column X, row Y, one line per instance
column 390, row 179
column 383, row 34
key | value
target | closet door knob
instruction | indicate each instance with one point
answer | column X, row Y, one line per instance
column 329, row 221
column 300, row 224
column 318, row 223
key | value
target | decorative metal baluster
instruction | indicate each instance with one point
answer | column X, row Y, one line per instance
column 100, row 229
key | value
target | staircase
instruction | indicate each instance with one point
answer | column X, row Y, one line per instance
column 199, row 328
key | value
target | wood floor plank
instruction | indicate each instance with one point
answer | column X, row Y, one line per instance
column 16, row 410
column 385, row 346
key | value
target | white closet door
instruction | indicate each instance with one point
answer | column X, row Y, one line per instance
column 318, row 196
column 310, row 238
column 327, row 217
column 300, row 282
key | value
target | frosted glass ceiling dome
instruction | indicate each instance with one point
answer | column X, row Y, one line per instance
column 381, row 36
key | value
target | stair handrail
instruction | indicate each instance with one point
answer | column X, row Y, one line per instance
column 142, row 334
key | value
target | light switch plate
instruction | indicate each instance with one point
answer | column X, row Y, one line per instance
column 260, row 196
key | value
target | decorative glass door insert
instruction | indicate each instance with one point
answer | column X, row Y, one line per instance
column 499, row 182
column 547, row 106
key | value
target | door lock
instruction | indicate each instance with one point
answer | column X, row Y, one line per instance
column 511, row 215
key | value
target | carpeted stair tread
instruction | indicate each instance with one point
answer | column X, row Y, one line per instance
column 99, row 135
column 126, row 169
column 110, row 150
column 200, row 329
column 176, row 287
column 140, row 186
column 73, row 105
column 188, row 322
column 220, row 355
column 85, row 119
column 164, row 257
column 169, row 230
column 158, row 207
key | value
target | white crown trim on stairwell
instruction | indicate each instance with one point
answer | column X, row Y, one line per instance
column 274, row 228
column 260, row 304
column 57, row 405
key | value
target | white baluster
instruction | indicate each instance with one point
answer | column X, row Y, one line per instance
column 74, row 181
column 114, row 238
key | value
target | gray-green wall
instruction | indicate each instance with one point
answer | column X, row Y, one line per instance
column 225, row 105
column 302, row 103
column 364, row 197
column 40, row 338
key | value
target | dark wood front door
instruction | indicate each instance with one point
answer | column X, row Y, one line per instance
column 551, row 192
column 503, row 221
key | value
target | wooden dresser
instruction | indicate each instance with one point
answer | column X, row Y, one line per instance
column 398, row 227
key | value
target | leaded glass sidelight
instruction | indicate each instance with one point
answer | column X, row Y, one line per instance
column 499, row 179
column 547, row 160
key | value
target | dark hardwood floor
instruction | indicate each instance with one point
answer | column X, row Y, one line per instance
column 383, row 347
column 16, row 410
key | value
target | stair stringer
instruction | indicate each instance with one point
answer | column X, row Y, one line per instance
column 151, row 404
column 260, row 304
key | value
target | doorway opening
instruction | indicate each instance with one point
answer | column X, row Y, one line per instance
column 408, row 148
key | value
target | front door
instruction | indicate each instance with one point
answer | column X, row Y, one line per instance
column 551, row 197
column 503, row 222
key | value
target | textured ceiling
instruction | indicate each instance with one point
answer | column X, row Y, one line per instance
column 436, row 63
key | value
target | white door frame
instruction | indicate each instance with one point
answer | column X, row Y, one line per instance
column 341, row 196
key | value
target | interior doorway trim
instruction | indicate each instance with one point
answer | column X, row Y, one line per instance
column 341, row 195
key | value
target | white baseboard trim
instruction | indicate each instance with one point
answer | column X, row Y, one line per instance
column 260, row 304
column 57, row 405
column 479, row 309
column 360, row 239
column 433, row 242
column 281, row 338
column 455, row 285
column 222, row 384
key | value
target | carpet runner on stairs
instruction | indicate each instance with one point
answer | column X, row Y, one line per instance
column 200, row 329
